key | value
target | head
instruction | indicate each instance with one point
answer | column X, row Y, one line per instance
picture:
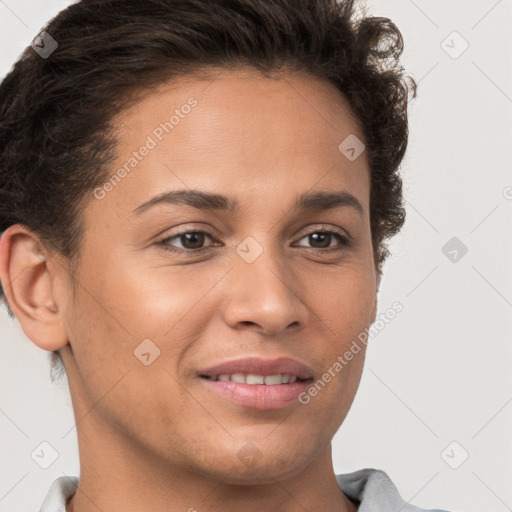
column 250, row 100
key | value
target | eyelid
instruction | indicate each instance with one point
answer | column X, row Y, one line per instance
column 327, row 229
column 185, row 230
column 345, row 240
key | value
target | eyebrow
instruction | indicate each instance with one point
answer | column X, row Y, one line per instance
column 315, row 201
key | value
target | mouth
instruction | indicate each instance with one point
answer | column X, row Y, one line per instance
column 254, row 379
column 259, row 383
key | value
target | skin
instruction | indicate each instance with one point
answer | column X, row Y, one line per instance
column 155, row 437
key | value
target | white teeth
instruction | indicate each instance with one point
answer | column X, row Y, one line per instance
column 251, row 378
column 254, row 379
column 273, row 379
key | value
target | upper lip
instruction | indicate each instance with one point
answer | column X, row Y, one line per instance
column 260, row 366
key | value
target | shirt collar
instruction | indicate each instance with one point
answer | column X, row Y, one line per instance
column 371, row 487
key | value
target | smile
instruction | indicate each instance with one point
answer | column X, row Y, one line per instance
column 253, row 379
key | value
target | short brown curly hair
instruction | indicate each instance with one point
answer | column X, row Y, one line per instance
column 56, row 141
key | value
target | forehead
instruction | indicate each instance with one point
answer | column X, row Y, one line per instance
column 240, row 133
column 245, row 102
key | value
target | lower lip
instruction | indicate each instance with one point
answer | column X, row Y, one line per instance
column 258, row 396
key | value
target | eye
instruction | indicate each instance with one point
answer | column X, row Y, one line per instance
column 191, row 241
column 322, row 238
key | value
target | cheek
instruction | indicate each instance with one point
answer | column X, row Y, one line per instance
column 343, row 299
column 343, row 304
column 118, row 310
column 125, row 304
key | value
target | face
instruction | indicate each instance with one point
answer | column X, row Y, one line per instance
column 171, row 288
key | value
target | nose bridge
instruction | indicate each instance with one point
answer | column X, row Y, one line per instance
column 260, row 289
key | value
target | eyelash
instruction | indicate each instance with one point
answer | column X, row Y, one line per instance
column 343, row 239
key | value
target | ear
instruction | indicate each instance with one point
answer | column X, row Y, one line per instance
column 28, row 284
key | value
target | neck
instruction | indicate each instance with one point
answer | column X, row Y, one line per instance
column 117, row 476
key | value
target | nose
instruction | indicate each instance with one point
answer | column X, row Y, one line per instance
column 263, row 296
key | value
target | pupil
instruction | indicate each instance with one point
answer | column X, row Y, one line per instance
column 196, row 238
column 325, row 239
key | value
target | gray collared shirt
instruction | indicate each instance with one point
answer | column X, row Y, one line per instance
column 371, row 487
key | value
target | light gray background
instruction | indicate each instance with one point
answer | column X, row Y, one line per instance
column 441, row 370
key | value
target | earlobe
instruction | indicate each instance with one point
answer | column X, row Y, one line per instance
column 28, row 286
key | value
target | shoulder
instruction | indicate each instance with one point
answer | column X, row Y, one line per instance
column 373, row 487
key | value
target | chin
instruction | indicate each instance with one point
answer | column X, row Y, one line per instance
column 248, row 465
